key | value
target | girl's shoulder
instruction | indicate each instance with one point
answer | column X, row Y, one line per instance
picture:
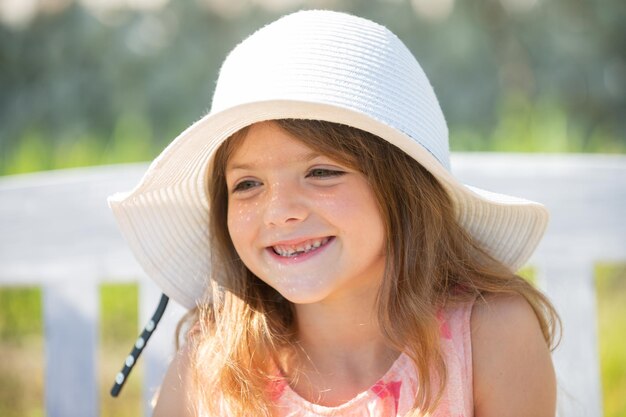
column 512, row 368
column 172, row 398
column 503, row 320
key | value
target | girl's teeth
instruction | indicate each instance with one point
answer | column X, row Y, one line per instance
column 300, row 249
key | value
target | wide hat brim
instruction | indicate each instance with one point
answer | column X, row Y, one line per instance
column 165, row 218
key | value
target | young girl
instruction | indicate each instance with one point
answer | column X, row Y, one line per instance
column 332, row 263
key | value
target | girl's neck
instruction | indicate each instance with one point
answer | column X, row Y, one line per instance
column 343, row 326
column 338, row 333
column 340, row 351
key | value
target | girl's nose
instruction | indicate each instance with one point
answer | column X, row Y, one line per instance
column 284, row 204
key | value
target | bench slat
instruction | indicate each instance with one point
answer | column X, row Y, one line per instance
column 571, row 288
column 71, row 318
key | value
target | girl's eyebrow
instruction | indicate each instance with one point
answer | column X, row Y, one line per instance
column 303, row 157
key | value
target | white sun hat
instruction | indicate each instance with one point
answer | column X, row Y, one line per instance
column 308, row 65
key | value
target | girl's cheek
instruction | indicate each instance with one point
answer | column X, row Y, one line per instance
column 242, row 217
column 335, row 202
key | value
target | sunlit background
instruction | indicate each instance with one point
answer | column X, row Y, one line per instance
column 101, row 81
column 90, row 82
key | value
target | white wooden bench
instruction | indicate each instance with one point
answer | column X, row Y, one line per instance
column 57, row 232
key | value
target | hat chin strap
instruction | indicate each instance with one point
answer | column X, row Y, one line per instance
column 131, row 359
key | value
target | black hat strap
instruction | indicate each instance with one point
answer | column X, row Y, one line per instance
column 131, row 359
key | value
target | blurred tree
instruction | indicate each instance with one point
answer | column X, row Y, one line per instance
column 73, row 71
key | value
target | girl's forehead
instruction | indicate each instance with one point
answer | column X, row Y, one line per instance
column 266, row 142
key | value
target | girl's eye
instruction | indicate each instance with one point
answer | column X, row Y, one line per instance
column 245, row 185
column 324, row 173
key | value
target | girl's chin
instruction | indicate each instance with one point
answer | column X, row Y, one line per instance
column 302, row 299
column 302, row 295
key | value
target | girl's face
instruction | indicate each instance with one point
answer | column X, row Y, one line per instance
column 305, row 224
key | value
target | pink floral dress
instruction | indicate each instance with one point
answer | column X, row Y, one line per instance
column 393, row 394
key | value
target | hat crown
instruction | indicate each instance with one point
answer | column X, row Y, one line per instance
column 339, row 60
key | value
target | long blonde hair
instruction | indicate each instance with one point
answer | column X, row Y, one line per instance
column 246, row 327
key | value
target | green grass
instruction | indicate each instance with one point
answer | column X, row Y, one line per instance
column 20, row 314
column 118, row 331
column 611, row 290
column 21, row 353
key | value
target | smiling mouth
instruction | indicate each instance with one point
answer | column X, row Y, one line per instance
column 290, row 251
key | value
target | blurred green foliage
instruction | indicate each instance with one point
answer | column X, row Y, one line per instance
column 529, row 274
column 84, row 84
